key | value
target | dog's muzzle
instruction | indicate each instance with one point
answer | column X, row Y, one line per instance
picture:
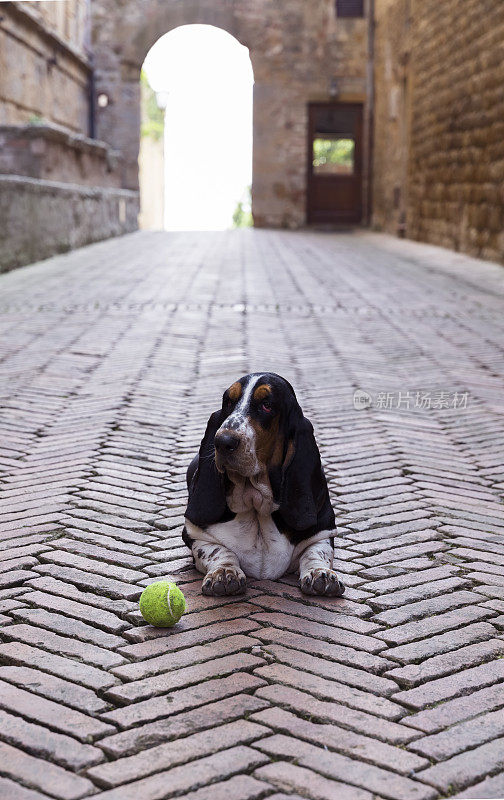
column 226, row 442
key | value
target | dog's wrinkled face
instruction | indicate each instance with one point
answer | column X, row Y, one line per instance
column 249, row 439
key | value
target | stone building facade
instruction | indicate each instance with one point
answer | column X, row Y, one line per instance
column 299, row 49
column 420, row 82
column 439, row 123
column 44, row 63
column 59, row 187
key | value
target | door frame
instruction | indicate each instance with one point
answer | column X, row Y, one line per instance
column 359, row 151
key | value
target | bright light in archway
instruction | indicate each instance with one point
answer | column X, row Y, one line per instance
column 207, row 77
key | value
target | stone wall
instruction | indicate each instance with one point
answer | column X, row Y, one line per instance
column 390, row 163
column 44, row 68
column 298, row 48
column 66, row 19
column 55, row 154
column 439, row 133
column 41, row 218
column 58, row 188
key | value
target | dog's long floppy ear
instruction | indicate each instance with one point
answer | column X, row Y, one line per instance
column 304, row 497
column 207, row 498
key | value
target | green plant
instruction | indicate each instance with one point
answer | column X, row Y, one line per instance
column 152, row 116
column 242, row 216
column 333, row 151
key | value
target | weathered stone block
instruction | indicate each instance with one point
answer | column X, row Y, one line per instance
column 40, row 218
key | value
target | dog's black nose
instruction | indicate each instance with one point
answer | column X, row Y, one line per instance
column 226, row 442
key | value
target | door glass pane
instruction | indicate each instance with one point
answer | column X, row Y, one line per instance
column 350, row 8
column 333, row 156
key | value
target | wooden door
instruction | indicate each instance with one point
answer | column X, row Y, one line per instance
column 334, row 163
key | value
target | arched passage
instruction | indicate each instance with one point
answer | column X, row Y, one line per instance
column 299, row 54
column 205, row 79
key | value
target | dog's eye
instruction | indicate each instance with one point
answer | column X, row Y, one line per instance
column 266, row 406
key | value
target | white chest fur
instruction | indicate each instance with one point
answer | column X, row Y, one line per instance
column 263, row 552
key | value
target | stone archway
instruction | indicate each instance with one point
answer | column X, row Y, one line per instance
column 297, row 50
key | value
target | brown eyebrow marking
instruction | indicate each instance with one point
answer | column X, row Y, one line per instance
column 262, row 391
column 235, row 391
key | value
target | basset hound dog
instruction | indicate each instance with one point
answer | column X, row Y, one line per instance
column 258, row 499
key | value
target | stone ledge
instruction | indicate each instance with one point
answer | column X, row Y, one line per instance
column 57, row 133
column 42, row 218
column 51, row 152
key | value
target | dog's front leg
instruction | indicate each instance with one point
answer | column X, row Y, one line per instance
column 221, row 568
column 316, row 575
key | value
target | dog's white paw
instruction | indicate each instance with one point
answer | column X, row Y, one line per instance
column 321, row 582
column 224, row 581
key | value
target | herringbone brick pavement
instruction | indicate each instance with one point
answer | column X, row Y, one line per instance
column 112, row 358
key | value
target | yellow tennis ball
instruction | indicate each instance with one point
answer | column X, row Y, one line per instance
column 162, row 604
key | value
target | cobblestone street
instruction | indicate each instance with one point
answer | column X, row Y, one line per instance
column 112, row 357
